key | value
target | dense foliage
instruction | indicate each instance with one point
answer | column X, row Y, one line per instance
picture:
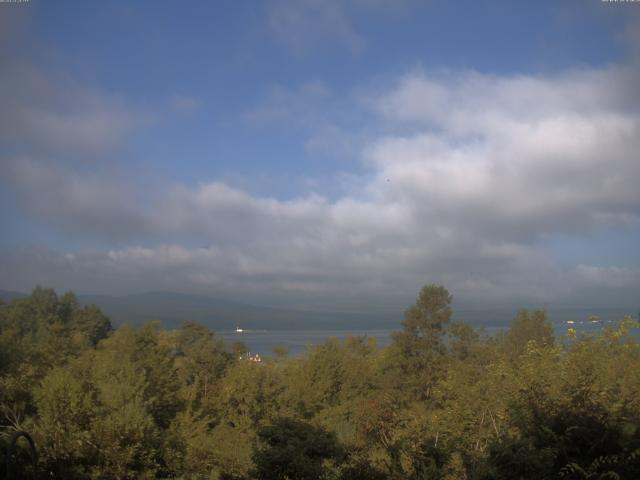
column 443, row 401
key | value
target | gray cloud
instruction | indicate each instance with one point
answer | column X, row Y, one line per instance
column 54, row 114
column 334, row 126
column 492, row 165
column 88, row 203
column 307, row 25
column 185, row 104
column 304, row 24
column 232, row 273
column 302, row 106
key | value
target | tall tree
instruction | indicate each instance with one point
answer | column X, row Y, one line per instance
column 294, row 449
column 528, row 327
column 419, row 348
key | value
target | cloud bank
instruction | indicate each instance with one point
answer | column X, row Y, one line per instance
column 467, row 176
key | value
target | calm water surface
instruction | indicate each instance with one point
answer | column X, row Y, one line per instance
column 297, row 341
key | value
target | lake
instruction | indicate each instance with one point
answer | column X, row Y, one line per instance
column 297, row 341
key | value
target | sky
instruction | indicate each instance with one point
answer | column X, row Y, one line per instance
column 323, row 154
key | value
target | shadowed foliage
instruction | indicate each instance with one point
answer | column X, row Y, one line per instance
column 443, row 401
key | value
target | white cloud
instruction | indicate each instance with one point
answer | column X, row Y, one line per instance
column 521, row 156
column 472, row 172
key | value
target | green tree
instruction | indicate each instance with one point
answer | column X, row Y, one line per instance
column 575, row 412
column 280, row 351
column 201, row 361
column 419, row 350
column 294, row 449
column 90, row 324
column 528, row 327
column 464, row 340
column 66, row 411
column 37, row 333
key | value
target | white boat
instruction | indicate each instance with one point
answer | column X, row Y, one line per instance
column 239, row 330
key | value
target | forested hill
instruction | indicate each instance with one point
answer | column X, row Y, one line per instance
column 443, row 401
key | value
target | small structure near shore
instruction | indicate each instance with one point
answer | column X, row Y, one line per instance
column 251, row 358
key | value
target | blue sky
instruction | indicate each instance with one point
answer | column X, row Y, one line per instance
column 323, row 153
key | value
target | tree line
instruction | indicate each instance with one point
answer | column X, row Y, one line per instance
column 443, row 401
